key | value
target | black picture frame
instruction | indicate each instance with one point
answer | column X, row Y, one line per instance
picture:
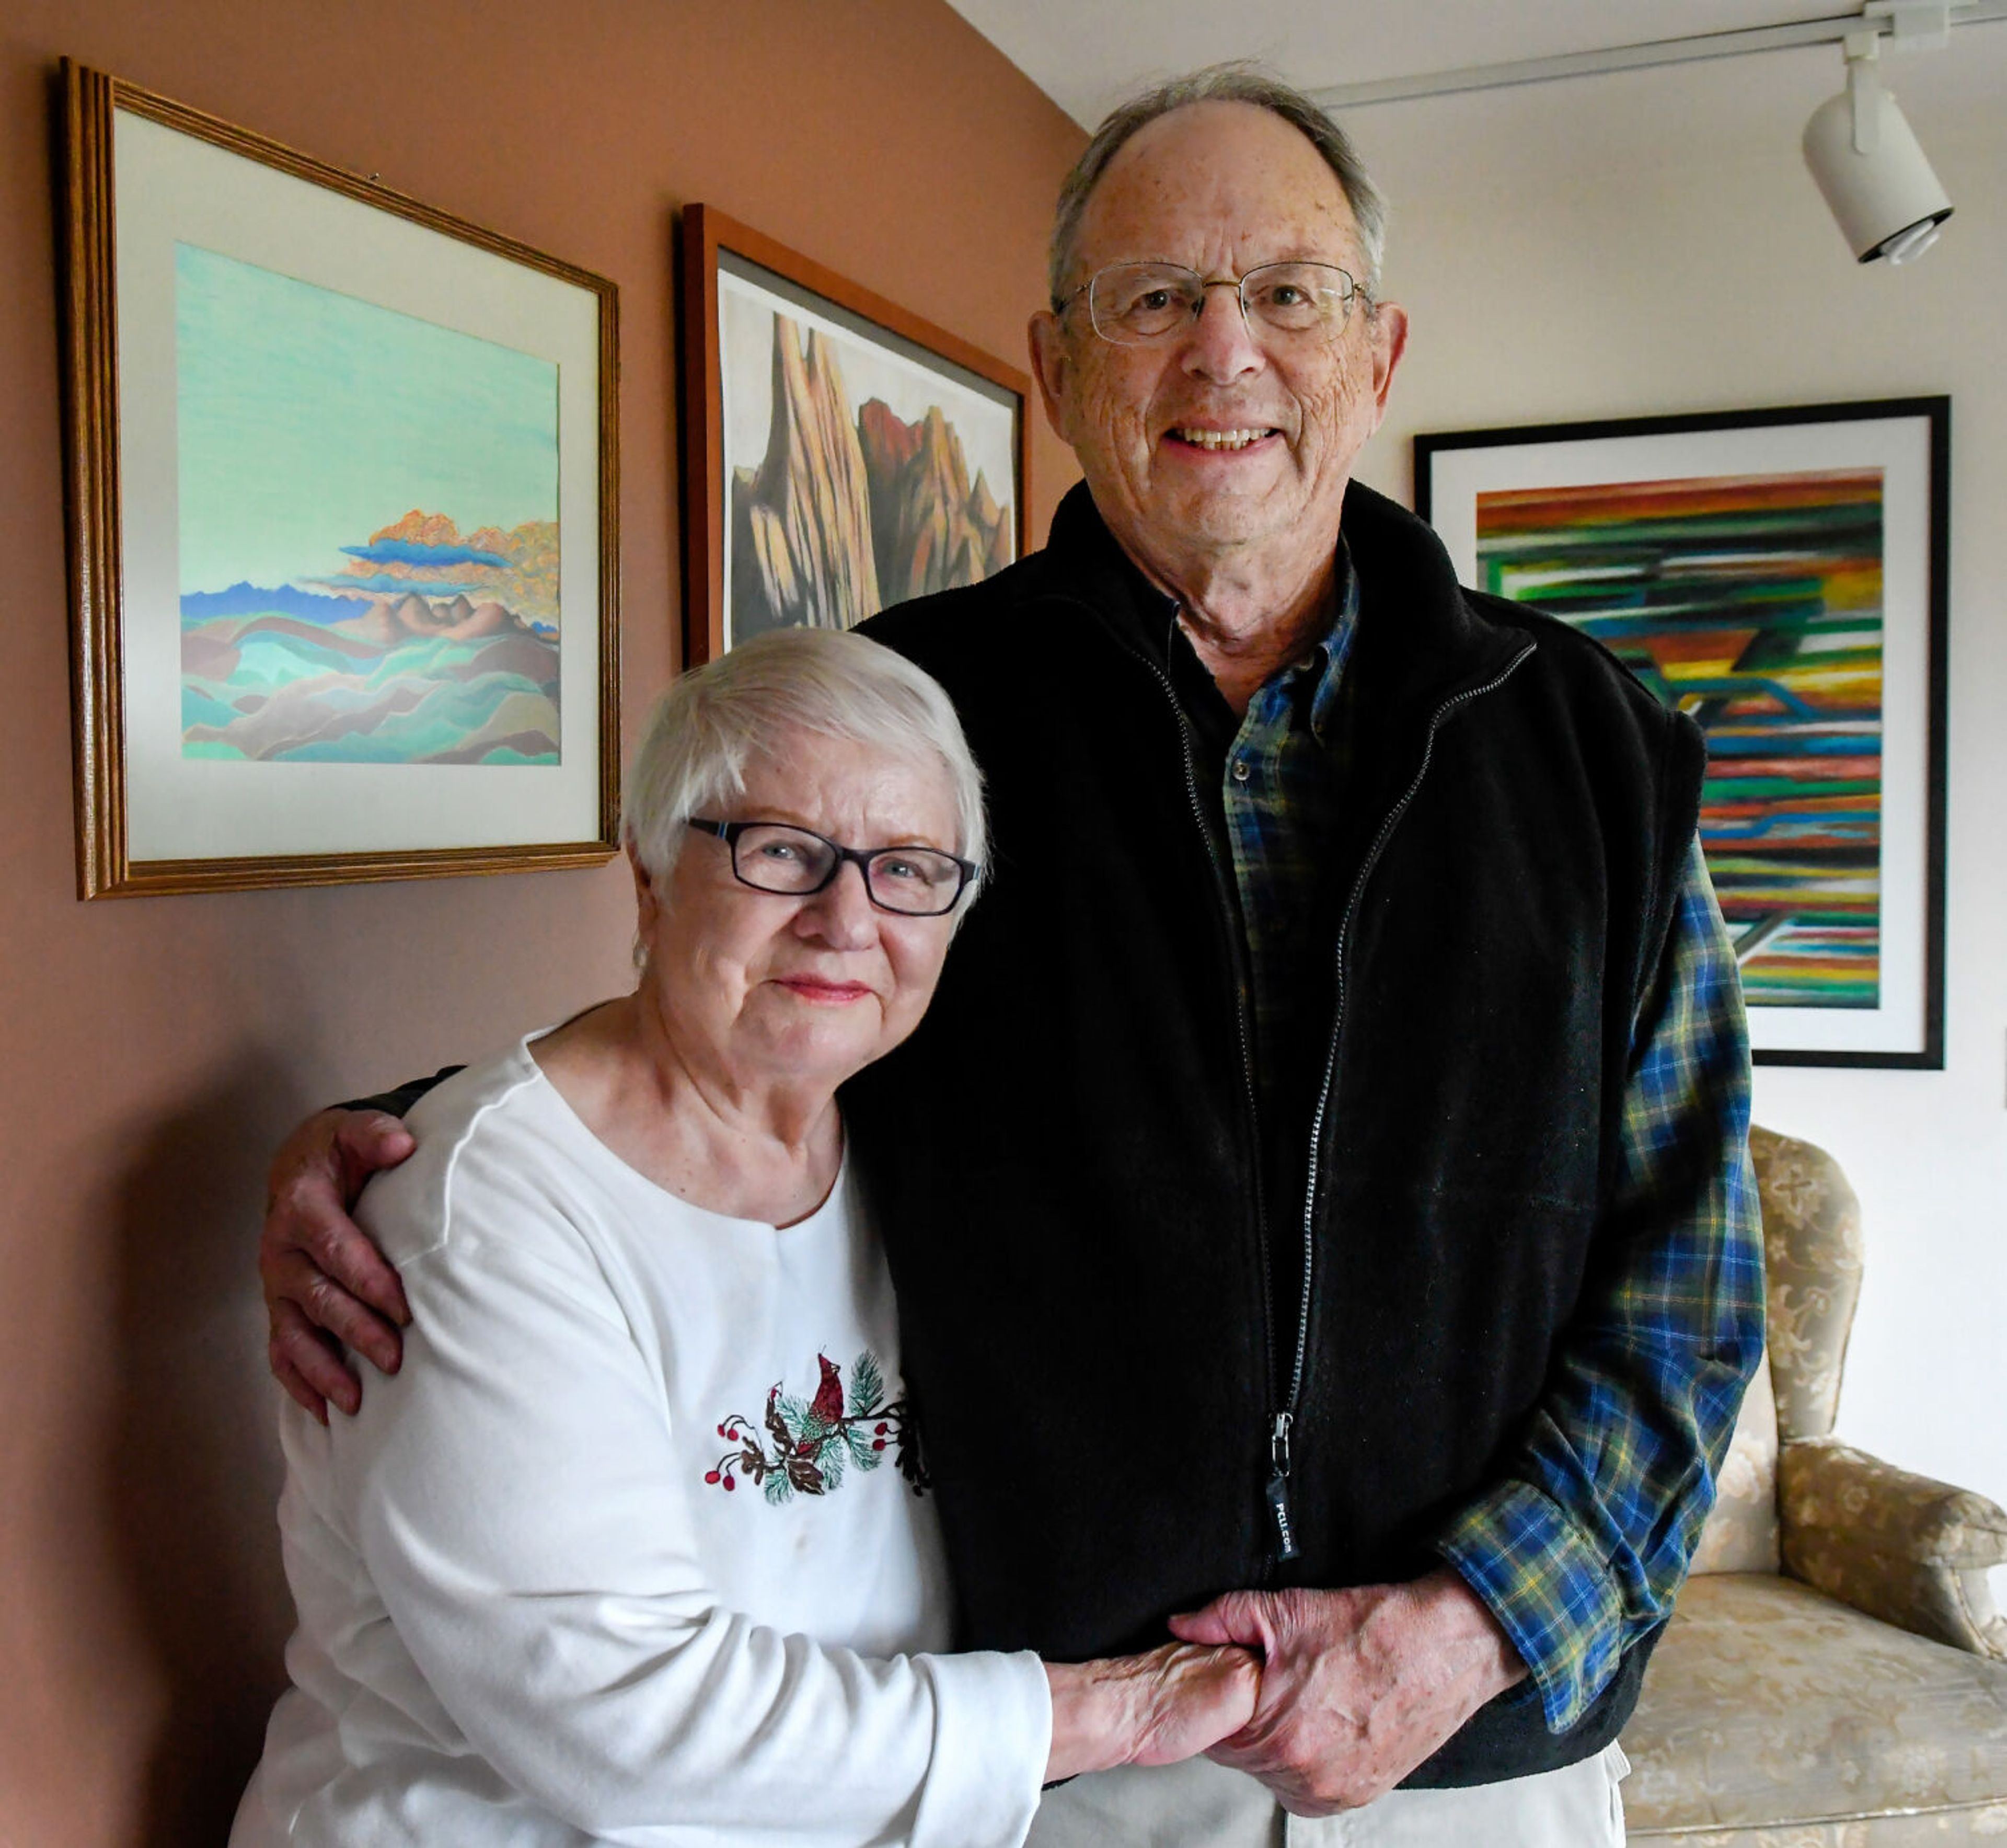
column 1739, row 561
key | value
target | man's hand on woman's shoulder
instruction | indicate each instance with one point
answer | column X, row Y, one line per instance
column 326, row 1285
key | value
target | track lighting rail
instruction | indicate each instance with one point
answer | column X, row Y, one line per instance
column 1698, row 48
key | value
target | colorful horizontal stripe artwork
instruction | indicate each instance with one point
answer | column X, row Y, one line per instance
column 1754, row 603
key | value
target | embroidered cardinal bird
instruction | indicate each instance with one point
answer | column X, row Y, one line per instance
column 812, row 1443
column 827, row 1405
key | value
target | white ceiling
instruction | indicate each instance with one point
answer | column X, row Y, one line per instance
column 1086, row 55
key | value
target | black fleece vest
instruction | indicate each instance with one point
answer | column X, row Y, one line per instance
column 1102, row 1306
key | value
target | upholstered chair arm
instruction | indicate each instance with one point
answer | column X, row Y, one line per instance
column 1913, row 1552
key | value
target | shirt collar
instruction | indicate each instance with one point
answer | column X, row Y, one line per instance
column 1315, row 679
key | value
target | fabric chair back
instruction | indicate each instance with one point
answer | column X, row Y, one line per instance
column 1811, row 1264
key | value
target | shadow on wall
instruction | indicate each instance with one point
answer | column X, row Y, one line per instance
column 196, row 1467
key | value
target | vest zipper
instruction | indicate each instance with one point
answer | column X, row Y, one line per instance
column 1274, row 1494
column 1275, row 1491
column 1278, row 1491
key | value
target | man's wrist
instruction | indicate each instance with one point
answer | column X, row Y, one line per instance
column 1475, row 1644
column 1517, row 1550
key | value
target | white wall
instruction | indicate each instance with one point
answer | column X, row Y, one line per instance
column 1652, row 242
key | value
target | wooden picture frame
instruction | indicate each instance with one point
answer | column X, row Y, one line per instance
column 908, row 468
column 1782, row 575
column 274, row 371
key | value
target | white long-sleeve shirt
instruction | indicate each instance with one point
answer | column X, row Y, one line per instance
column 623, row 1553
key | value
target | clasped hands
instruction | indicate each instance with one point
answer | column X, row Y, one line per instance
column 1329, row 1698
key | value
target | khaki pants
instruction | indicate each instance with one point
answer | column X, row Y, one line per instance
column 1200, row 1804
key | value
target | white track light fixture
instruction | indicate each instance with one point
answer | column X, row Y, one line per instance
column 1865, row 155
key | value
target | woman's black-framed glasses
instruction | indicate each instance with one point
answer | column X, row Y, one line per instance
column 777, row 856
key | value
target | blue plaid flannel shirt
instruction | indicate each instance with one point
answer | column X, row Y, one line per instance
column 1579, row 1547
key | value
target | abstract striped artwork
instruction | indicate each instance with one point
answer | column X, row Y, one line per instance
column 1754, row 603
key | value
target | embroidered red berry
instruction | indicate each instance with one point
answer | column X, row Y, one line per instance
column 879, row 1443
column 881, row 1433
column 732, row 1481
column 711, row 1476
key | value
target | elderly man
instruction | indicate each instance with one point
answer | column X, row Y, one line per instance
column 1317, row 1198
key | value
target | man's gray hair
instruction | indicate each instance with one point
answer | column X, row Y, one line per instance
column 1236, row 82
column 714, row 720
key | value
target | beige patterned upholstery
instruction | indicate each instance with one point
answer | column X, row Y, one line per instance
column 1812, row 1262
column 1804, row 1707
column 1741, row 1533
column 1900, row 1547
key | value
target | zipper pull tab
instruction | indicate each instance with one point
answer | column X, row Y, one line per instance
column 1278, row 1491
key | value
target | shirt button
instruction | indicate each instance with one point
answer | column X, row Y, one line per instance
column 1240, row 769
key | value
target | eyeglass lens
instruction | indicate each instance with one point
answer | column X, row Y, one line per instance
column 917, row 880
column 1135, row 303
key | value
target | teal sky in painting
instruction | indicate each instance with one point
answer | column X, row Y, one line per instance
column 308, row 419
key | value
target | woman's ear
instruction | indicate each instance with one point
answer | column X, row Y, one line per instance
column 647, row 906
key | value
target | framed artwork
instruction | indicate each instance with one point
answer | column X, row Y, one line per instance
column 839, row 455
column 1780, row 575
column 343, row 511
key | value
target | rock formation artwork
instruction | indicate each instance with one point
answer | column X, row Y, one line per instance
column 426, row 649
column 930, row 530
column 846, row 514
column 801, row 522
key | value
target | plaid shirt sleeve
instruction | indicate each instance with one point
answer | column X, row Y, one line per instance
column 1580, row 1546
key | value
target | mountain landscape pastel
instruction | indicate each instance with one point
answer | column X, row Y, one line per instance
column 424, row 648
column 317, row 624
column 848, row 510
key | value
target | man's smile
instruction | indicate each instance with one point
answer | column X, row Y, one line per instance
column 1194, row 436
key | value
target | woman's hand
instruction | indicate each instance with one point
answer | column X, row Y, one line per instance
column 1153, row 1709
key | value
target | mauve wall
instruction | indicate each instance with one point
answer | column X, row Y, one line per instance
column 153, row 1050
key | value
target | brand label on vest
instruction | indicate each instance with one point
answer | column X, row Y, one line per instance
column 1285, row 1528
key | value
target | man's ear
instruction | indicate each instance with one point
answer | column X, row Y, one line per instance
column 1052, row 365
column 1389, row 334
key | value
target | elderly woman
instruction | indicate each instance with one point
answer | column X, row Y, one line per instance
column 636, row 1547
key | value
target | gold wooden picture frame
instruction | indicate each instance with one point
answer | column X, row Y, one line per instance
column 343, row 503
column 840, row 454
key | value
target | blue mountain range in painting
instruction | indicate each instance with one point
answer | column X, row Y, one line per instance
column 254, row 599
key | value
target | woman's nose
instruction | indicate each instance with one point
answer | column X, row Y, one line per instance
column 842, row 914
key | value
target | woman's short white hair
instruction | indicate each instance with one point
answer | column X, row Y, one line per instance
column 716, row 718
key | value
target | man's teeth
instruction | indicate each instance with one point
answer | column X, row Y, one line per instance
column 1221, row 439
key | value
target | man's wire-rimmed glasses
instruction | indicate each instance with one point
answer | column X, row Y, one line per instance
column 777, row 856
column 1138, row 305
